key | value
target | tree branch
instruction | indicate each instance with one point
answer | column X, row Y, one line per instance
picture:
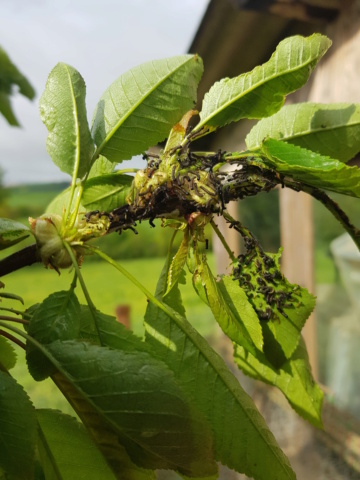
column 330, row 204
column 23, row 258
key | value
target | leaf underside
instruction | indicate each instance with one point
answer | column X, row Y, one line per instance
column 294, row 379
column 262, row 91
column 104, row 437
column 56, row 318
column 63, row 111
column 332, row 130
column 106, row 192
column 139, row 109
column 60, row 436
column 134, row 394
column 137, row 396
column 312, row 168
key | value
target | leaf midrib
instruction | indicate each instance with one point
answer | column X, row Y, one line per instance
column 135, row 106
column 305, row 133
column 76, row 120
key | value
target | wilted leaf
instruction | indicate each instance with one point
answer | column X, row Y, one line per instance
column 282, row 307
column 178, row 263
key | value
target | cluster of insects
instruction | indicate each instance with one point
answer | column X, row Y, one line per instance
column 180, row 183
column 259, row 275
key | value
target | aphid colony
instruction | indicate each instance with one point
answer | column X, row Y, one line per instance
column 258, row 273
column 181, row 182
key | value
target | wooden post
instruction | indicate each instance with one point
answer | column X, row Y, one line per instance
column 335, row 80
column 123, row 315
column 297, row 238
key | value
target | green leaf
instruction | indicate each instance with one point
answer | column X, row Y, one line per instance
column 262, row 91
column 63, row 111
column 311, row 168
column 7, row 112
column 178, row 262
column 60, row 436
column 241, row 309
column 242, row 326
column 97, row 327
column 17, row 430
column 332, row 130
column 282, row 335
column 139, row 109
column 56, row 318
column 102, row 434
column 106, row 192
column 101, row 166
column 282, row 307
column 294, row 379
column 7, row 354
column 12, row 232
column 60, row 202
column 138, row 397
column 240, row 433
column 10, row 76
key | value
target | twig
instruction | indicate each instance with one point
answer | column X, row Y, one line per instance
column 16, row 312
column 223, row 241
column 13, row 339
column 13, row 319
column 331, row 205
column 23, row 258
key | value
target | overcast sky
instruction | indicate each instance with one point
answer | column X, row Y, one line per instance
column 101, row 39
